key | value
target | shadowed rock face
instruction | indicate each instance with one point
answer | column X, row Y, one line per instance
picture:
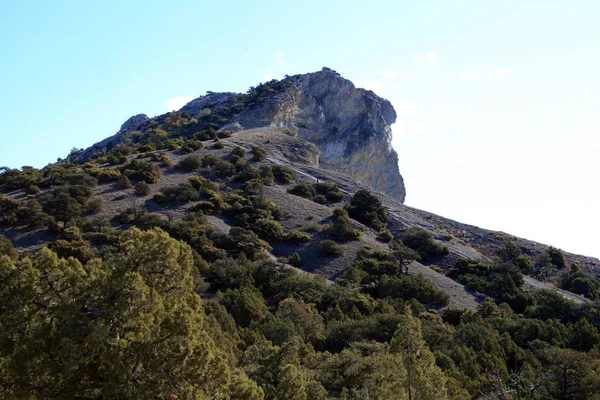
column 350, row 126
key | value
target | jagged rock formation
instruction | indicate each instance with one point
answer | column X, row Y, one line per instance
column 350, row 126
column 134, row 122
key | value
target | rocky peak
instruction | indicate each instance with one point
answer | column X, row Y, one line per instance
column 350, row 126
column 134, row 122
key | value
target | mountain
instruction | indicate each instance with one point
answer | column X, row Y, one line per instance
column 257, row 246
column 350, row 126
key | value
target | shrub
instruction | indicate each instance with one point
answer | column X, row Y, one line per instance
column 320, row 199
column 366, row 208
column 142, row 189
column 258, row 153
column 331, row 191
column 329, row 248
column 190, row 146
column 557, row 257
column 295, row 260
column 254, row 187
column 238, row 151
column 266, row 172
column 408, row 287
column 422, row 242
column 126, row 216
column 7, row 249
column 385, row 236
column 109, row 175
column 341, row 228
column 184, row 192
column 303, row 189
column 218, row 145
column 267, row 229
column 283, row 174
column 95, row 205
column 190, row 163
column 32, row 190
column 123, row 183
column 224, row 134
column 142, row 171
column 247, row 173
column 297, row 236
column 223, row 168
column 209, row 160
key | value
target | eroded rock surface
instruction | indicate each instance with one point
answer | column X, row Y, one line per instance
column 350, row 126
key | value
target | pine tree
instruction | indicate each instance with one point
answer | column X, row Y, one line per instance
column 423, row 379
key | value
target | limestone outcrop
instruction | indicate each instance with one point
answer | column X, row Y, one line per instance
column 350, row 126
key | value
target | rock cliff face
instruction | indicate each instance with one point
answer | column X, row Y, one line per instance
column 350, row 126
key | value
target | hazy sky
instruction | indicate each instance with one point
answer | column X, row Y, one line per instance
column 498, row 101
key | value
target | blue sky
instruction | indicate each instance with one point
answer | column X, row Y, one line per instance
column 497, row 100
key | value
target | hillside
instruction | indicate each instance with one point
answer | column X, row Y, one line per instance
column 282, row 209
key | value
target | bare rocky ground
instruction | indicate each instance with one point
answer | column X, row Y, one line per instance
column 303, row 214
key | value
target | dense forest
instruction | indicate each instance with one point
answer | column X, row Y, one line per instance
column 141, row 306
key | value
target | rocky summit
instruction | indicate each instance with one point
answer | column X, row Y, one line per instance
column 350, row 126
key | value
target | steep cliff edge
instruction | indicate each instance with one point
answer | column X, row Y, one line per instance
column 350, row 126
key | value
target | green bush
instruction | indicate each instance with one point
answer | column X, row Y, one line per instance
column 258, row 153
column 238, row 152
column 298, row 237
column 283, row 174
column 341, row 228
column 142, row 171
column 123, row 183
column 190, row 163
column 32, row 190
column 109, row 175
column 295, row 261
column 142, row 189
column 189, row 146
column 303, row 189
column 95, row 205
column 267, row 229
column 331, row 191
column 422, row 242
column 7, row 249
column 366, row 208
column 223, row 168
column 183, row 193
column 557, row 257
column 218, row 145
column 266, row 172
column 320, row 199
column 411, row 287
column 581, row 283
column 330, row 248
column 385, row 236
column 224, row 134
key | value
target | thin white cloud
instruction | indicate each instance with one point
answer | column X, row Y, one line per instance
column 279, row 60
column 429, row 57
column 470, row 75
column 175, row 103
column 499, row 73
